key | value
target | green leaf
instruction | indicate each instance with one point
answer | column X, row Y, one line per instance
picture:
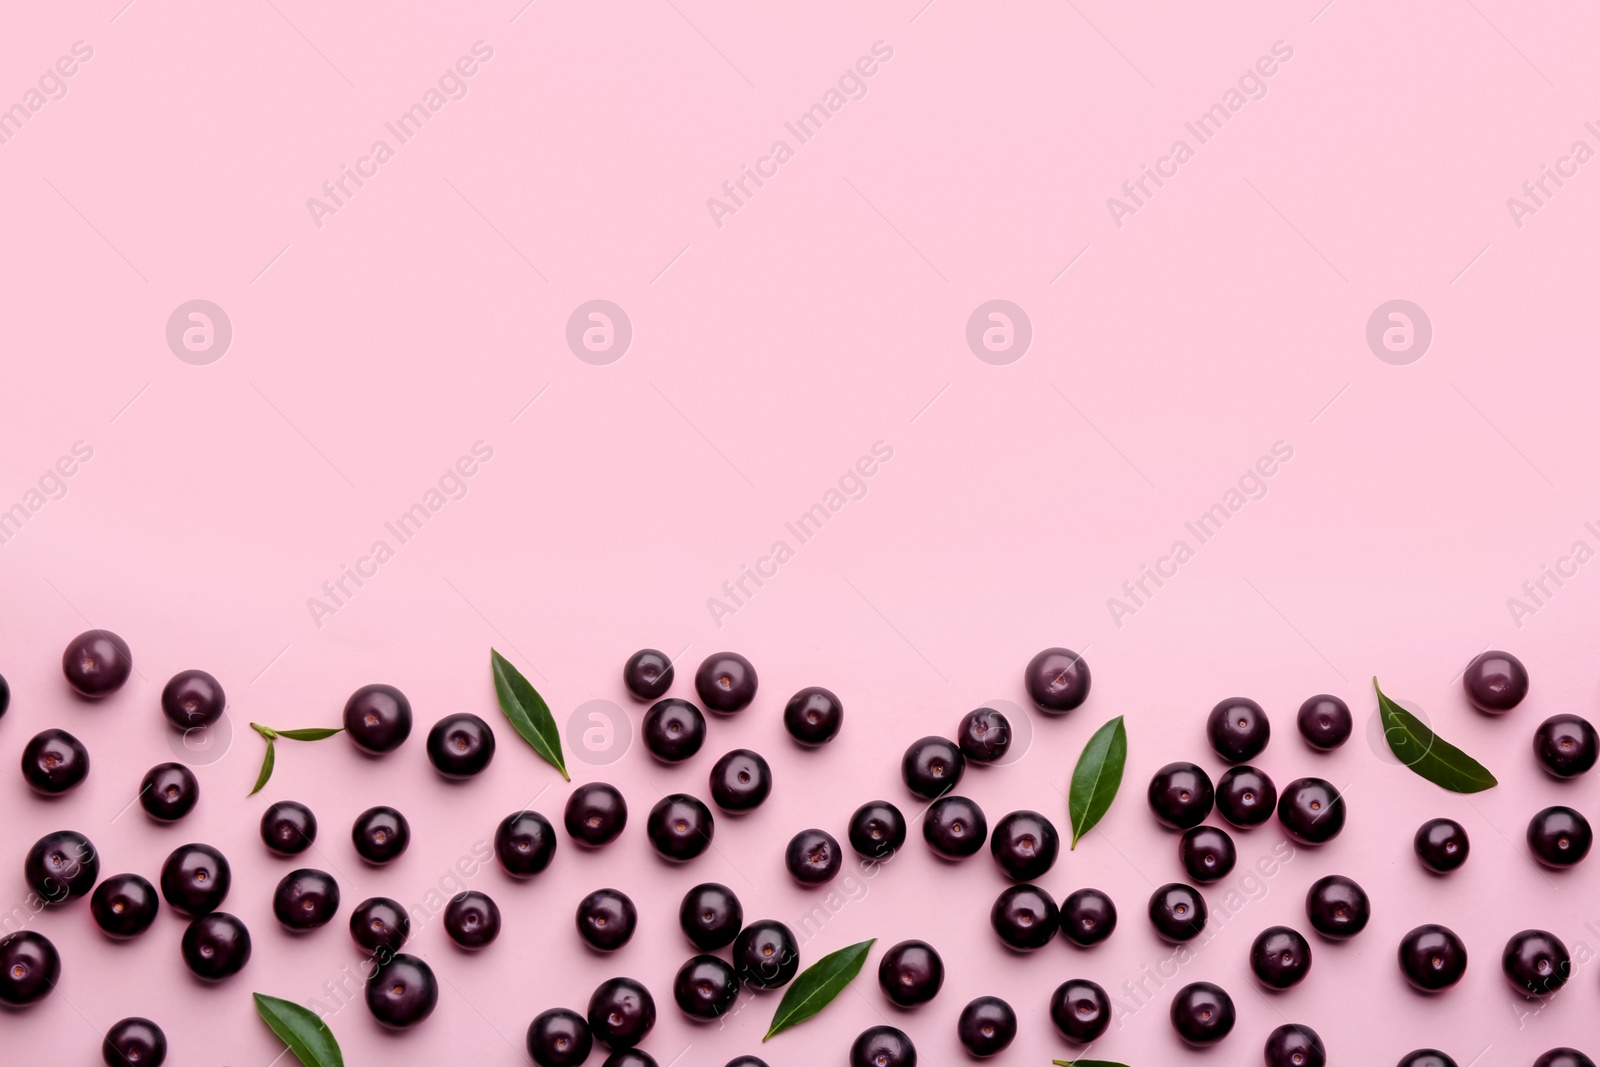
column 1427, row 753
column 817, row 985
column 266, row 768
column 307, row 1036
column 1097, row 777
column 265, row 731
column 1085, row 1063
column 529, row 714
column 316, row 733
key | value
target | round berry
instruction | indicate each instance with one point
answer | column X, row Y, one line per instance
column 1246, row 797
column 5, row 695
column 711, row 916
column 932, row 767
column 472, row 919
column 54, row 762
column 1337, row 907
column 1566, row 745
column 559, row 1038
column 1536, row 963
column 911, row 973
column 305, row 899
column 1238, row 729
column 740, row 781
column 607, row 919
column 1207, row 853
column 621, row 1013
column 216, row 946
column 1559, row 837
column 812, row 857
column 30, row 967
column 60, row 866
column 1202, row 1013
column 1088, row 917
column 1181, row 796
column 124, row 906
column 1325, row 722
column 1563, row 1057
column 705, row 987
column 883, row 1046
column 1441, row 845
column 1057, row 680
column 288, row 828
column 1081, row 1010
column 192, row 699
column 1426, row 1057
column 745, row 1061
column 402, row 992
column 524, row 843
column 647, row 674
column 460, row 745
column 987, row 1026
column 377, row 718
column 381, row 834
column 1432, row 958
column 726, row 682
column 1495, row 682
column 765, row 954
column 813, row 716
column 1025, row 917
column 1294, row 1045
column 984, row 736
column 1178, row 912
column 1280, row 957
column 954, row 827
column 680, row 827
column 97, row 663
column 673, row 730
column 877, row 830
column 195, row 879
column 1025, row 845
column 1311, row 811
column 169, row 792
column 134, row 1042
column 380, row 925
column 630, row 1057
column 595, row 814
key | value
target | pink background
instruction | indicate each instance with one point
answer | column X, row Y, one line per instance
column 829, row 313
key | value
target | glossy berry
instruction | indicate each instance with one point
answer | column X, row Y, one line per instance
column 630, row 1057
column 647, row 674
column 1432, row 958
column 192, row 699
column 954, row 827
column 726, row 682
column 705, row 987
column 1246, row 797
column 472, row 919
column 97, row 663
column 60, row 866
column 559, row 1038
column 1325, row 722
column 621, row 1013
column 1559, row 837
column 524, row 843
column 402, row 992
column 195, row 879
column 5, row 695
column 987, row 1026
column 1337, row 907
column 1294, row 1045
column 1563, row 1057
column 1202, row 1013
column 607, row 919
column 169, row 792
column 595, row 814
column 1057, row 680
column 1024, row 917
column 746, row 1061
column 1081, row 1010
column 911, row 973
column 680, row 827
column 813, row 857
column 1311, row 811
column 740, row 781
column 1178, row 912
column 1025, row 845
column 1280, row 957
column 377, row 718
column 813, row 716
column 288, row 828
column 305, row 899
column 380, row 925
column 460, row 745
column 380, row 834
column 1536, row 963
column 1566, row 745
column 1181, row 796
column 765, row 954
column 882, row 1046
column 134, row 1042
column 1495, row 682
column 124, row 906
column 1088, row 917
column 877, row 830
column 711, row 916
column 673, row 730
column 1426, row 1057
column 216, row 946
column 932, row 766
column 984, row 736
column 1238, row 729
column 54, row 762
column 1441, row 845
column 1207, row 853
column 29, row 968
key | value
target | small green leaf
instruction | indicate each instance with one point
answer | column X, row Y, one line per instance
column 1086, row 1063
column 266, row 768
column 1097, row 777
column 265, row 731
column 307, row 1036
column 316, row 733
column 1427, row 753
column 817, row 985
column 529, row 714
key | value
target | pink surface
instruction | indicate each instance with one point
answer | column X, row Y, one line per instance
column 374, row 345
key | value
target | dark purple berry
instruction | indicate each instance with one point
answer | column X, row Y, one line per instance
column 1057, row 680
column 1025, row 845
column 1325, row 722
column 288, row 828
column 97, row 663
column 169, row 792
column 124, row 905
column 812, row 857
column 60, row 866
column 1432, row 958
column 380, row 925
column 647, row 674
column 1311, row 810
column 883, row 1046
column 1087, row 917
column 559, row 1038
column 911, row 973
column 1566, row 745
column 54, row 762
column 1280, row 957
column 306, row 899
column 877, row 830
column 1081, row 1010
column 673, row 730
column 524, row 843
column 192, row 699
column 1207, row 853
column 30, row 967
column 705, row 987
column 460, row 745
column 377, row 718
column 1559, row 837
column 1246, row 797
column 746, row 1061
column 932, row 767
column 954, row 827
column 595, row 814
column 5, row 695
column 402, row 992
column 1024, row 917
column 195, row 879
column 1181, row 796
column 630, row 1057
column 134, row 1042
column 984, row 736
column 1563, row 1057
column 726, row 682
column 740, row 781
column 1337, row 907
column 621, row 1013
column 1495, row 682
column 1178, row 912
column 1441, row 845
column 1294, row 1045
column 711, row 916
column 472, row 919
column 1426, row 1057
column 380, row 834
column 1202, row 1013
column 1238, row 729
column 987, row 1026
column 680, row 827
column 216, row 946
column 1536, row 963
column 813, row 716
column 606, row 919
column 765, row 954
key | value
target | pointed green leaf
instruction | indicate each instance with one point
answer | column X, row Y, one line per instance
column 266, row 768
column 529, row 714
column 307, row 1036
column 316, row 733
column 1427, row 753
column 1097, row 777
column 817, row 985
column 265, row 731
